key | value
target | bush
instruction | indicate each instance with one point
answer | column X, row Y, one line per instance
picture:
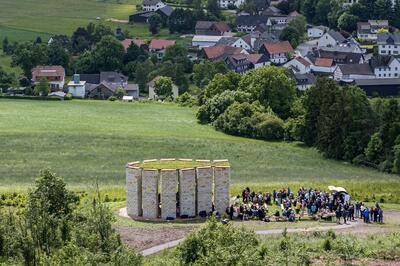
column 40, row 98
column 186, row 100
column 270, row 127
column 112, row 98
column 68, row 97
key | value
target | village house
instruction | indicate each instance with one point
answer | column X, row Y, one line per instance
column 258, row 60
column 238, row 63
column 158, row 46
column 299, row 65
column 278, row 53
column 389, row 43
column 271, row 11
column 221, row 52
column 214, row 28
column 104, row 85
column 385, row 66
column 323, row 65
column 235, row 42
column 230, row 3
column 369, row 30
column 152, row 89
column 338, row 57
column 249, row 23
column 152, row 5
column 351, row 72
column 138, row 42
column 316, row 31
column 202, row 41
column 77, row 87
column 62, row 39
column 143, row 16
column 55, row 75
column 303, row 80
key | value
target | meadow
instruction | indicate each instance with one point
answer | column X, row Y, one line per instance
column 22, row 20
column 89, row 142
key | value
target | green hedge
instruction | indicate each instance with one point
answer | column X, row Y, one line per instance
column 42, row 98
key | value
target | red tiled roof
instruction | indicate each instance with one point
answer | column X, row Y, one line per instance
column 254, row 57
column 161, row 44
column 303, row 61
column 127, row 42
column 278, row 47
column 324, row 62
column 48, row 71
column 222, row 26
column 219, row 50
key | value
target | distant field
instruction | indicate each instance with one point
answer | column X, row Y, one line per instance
column 89, row 141
column 26, row 19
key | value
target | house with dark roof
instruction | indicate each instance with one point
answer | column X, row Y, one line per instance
column 278, row 53
column 143, row 15
column 62, row 39
column 230, row 3
column 381, row 87
column 316, row 31
column 369, row 30
column 338, row 57
column 238, row 63
column 158, row 46
column 261, row 5
column 215, row 28
column 389, row 43
column 335, row 41
column 235, row 42
column 303, row 81
column 152, row 5
column 271, row 11
column 249, row 23
column 349, row 73
column 104, row 84
column 385, row 66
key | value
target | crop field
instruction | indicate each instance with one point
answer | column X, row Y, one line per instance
column 89, row 142
column 22, row 20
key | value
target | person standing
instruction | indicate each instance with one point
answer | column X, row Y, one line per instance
column 380, row 215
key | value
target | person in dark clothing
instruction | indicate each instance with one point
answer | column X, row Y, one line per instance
column 338, row 214
column 231, row 210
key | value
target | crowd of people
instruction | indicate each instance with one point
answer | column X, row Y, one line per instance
column 306, row 202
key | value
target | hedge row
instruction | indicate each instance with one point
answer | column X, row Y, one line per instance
column 42, row 98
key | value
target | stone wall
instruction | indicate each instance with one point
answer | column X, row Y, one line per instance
column 187, row 192
column 134, row 191
column 204, row 188
column 221, row 188
column 169, row 183
column 150, row 193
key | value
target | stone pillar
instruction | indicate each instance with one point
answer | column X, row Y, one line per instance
column 150, row 193
column 204, row 188
column 169, row 182
column 221, row 188
column 134, row 191
column 187, row 192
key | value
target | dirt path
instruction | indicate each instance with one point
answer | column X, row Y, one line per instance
column 151, row 240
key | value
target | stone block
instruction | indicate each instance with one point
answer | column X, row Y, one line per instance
column 169, row 183
column 150, row 193
column 134, row 191
column 204, row 177
column 187, row 192
column 221, row 188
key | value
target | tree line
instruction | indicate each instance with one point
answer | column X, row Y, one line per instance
column 340, row 121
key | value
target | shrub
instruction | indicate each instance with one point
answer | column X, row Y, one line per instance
column 68, row 96
column 112, row 98
column 186, row 100
column 270, row 127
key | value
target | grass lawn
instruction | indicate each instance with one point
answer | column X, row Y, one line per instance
column 91, row 141
column 5, row 63
column 23, row 20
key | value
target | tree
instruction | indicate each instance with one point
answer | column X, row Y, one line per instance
column 120, row 93
column 322, row 9
column 249, row 6
column 154, row 23
column 134, row 53
column 7, row 80
column 213, row 8
column 163, row 87
column 308, row 9
column 348, row 22
column 292, row 35
column 204, row 72
column 108, row 54
column 221, row 83
column 182, row 21
column 42, row 88
column 272, row 87
column 396, row 12
column 57, row 55
column 142, row 74
column 359, row 10
column 6, row 46
column 383, row 9
column 28, row 55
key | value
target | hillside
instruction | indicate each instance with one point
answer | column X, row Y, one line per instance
column 25, row 20
column 85, row 141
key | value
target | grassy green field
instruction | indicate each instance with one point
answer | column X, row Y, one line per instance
column 5, row 63
column 23, row 20
column 91, row 141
